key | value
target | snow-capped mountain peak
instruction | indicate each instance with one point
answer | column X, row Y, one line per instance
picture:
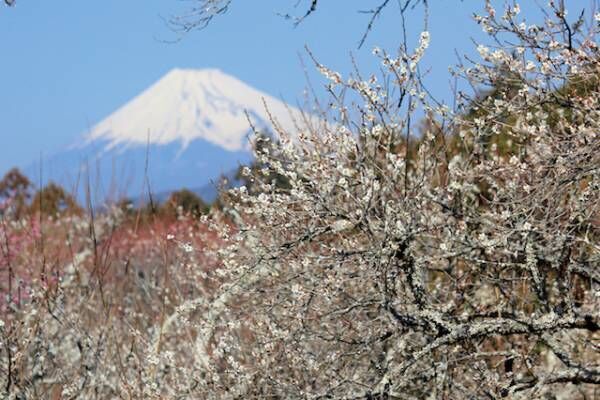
column 186, row 105
column 184, row 131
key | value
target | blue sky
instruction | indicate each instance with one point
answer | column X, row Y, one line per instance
column 68, row 64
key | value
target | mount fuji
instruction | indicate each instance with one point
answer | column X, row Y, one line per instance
column 184, row 131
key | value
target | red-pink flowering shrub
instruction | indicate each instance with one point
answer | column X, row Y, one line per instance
column 18, row 239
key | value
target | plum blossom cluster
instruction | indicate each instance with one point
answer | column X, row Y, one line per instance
column 456, row 259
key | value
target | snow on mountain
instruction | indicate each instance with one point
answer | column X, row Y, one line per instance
column 186, row 105
column 184, row 131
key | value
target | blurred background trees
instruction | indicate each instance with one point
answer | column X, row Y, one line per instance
column 15, row 192
column 182, row 202
column 53, row 200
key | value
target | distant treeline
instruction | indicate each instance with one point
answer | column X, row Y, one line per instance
column 19, row 198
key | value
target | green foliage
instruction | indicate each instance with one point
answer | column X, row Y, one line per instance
column 578, row 86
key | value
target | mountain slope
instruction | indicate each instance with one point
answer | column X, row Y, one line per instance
column 185, row 130
column 186, row 105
